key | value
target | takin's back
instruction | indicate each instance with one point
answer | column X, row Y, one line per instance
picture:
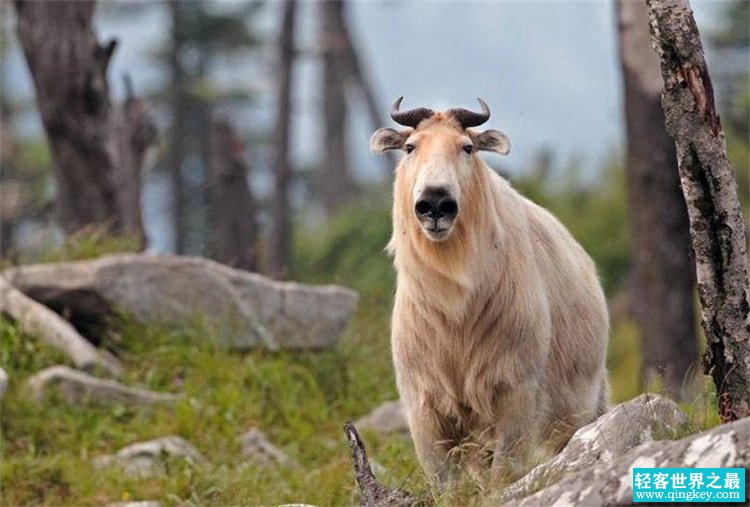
column 576, row 372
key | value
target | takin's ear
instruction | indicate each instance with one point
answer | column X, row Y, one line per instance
column 491, row 140
column 388, row 139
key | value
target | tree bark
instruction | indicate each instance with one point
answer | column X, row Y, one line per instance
column 337, row 186
column 710, row 189
column 234, row 211
column 662, row 289
column 281, row 230
column 69, row 70
column 178, row 131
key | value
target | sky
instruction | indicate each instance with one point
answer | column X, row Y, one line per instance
column 549, row 71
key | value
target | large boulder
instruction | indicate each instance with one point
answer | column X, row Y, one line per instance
column 615, row 433
column 76, row 387
column 246, row 309
column 610, row 483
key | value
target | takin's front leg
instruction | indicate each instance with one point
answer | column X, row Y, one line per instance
column 431, row 444
column 519, row 444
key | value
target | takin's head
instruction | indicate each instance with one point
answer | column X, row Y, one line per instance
column 440, row 160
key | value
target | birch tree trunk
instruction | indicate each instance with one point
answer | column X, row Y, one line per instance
column 281, row 217
column 664, row 279
column 710, row 189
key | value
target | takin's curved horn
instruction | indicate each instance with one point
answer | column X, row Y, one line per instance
column 469, row 118
column 410, row 117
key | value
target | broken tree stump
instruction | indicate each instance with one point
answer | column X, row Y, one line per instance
column 374, row 494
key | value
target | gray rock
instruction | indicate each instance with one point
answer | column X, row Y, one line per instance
column 36, row 319
column 248, row 309
column 387, row 418
column 3, row 383
column 615, row 433
column 609, row 483
column 146, row 459
column 76, row 386
column 261, row 451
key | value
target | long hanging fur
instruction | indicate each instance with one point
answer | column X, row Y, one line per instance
column 499, row 333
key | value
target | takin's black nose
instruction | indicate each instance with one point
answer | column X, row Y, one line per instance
column 436, row 203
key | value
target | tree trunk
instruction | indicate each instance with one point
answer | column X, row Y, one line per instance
column 366, row 87
column 203, row 117
column 135, row 133
column 710, row 189
column 178, row 131
column 69, row 70
column 662, row 295
column 234, row 225
column 281, row 227
column 336, row 186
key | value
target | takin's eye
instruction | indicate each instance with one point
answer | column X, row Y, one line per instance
column 468, row 148
column 408, row 148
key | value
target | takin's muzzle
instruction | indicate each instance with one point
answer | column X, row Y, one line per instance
column 436, row 209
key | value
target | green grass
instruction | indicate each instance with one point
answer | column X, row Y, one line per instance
column 300, row 400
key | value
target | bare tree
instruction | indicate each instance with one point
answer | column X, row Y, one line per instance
column 281, row 227
column 708, row 183
column 234, row 225
column 178, row 130
column 365, row 86
column 337, row 185
column 69, row 70
column 663, row 284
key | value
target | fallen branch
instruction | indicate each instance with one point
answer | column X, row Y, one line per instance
column 374, row 494
column 36, row 319
column 76, row 387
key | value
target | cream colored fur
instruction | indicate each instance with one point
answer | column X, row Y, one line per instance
column 499, row 332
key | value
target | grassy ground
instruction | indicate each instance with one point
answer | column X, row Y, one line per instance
column 299, row 400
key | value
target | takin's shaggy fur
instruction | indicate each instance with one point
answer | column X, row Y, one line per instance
column 499, row 332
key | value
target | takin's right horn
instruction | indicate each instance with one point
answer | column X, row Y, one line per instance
column 410, row 117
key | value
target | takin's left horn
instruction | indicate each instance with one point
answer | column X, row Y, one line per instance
column 470, row 118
